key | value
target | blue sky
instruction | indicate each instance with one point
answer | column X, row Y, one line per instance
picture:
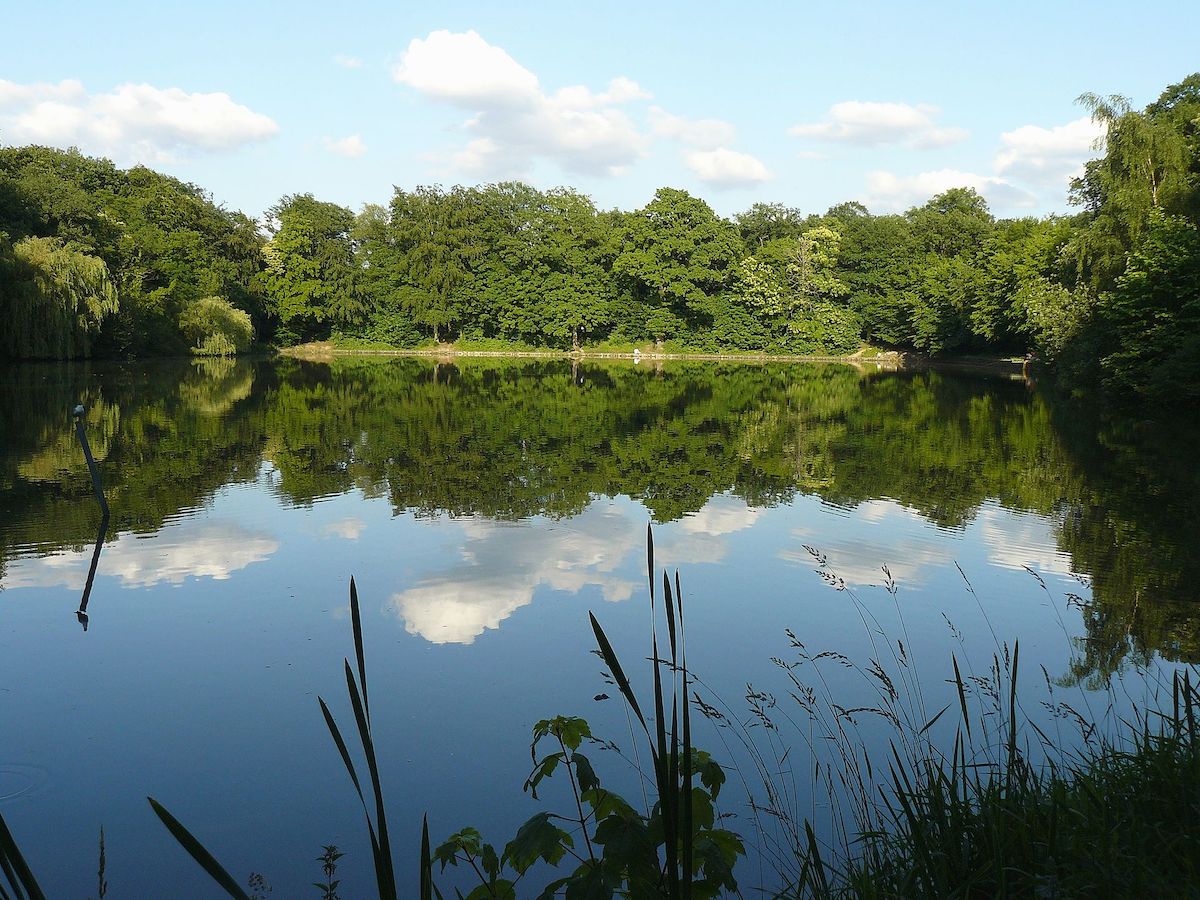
column 803, row 104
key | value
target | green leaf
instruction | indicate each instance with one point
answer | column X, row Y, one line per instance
column 584, row 773
column 537, row 839
column 605, row 803
column 198, row 852
column 490, row 861
column 544, row 769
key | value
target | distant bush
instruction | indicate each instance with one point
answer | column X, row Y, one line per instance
column 215, row 327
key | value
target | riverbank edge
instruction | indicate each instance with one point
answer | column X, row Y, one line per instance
column 891, row 360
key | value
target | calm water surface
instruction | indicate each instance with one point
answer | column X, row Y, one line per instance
column 484, row 508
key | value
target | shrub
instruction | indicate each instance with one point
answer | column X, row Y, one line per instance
column 215, row 327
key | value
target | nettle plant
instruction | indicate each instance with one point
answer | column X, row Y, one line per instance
column 674, row 850
column 616, row 848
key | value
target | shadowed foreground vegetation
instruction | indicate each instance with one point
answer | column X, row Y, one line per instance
column 998, row 809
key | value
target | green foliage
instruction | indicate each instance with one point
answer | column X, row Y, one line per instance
column 676, row 254
column 53, row 299
column 214, row 327
column 508, row 262
column 311, row 277
column 1153, row 316
column 164, row 243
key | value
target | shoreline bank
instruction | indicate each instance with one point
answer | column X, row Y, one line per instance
column 890, row 360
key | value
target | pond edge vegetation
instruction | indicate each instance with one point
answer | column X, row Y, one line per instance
column 986, row 818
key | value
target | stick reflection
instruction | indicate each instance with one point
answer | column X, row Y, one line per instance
column 101, row 534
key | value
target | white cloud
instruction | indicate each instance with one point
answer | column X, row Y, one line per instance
column 347, row 62
column 210, row 549
column 703, row 134
column 1048, row 156
column 869, row 124
column 882, row 532
column 722, row 514
column 892, row 192
column 1015, row 540
column 502, row 565
column 131, row 123
column 350, row 147
column 348, row 528
column 515, row 121
column 466, row 70
column 724, row 168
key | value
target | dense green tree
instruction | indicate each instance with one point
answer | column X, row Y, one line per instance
column 676, row 255
column 311, row 277
column 436, row 242
column 164, row 243
column 1154, row 316
column 765, row 222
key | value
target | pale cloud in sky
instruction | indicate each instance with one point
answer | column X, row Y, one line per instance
column 888, row 192
column 131, row 123
column 514, row 121
column 1049, row 156
column 350, row 147
column 869, row 124
column 211, row 549
column 502, row 565
column 1015, row 540
column 724, row 168
column 348, row 528
column 347, row 62
column 721, row 515
column 901, row 541
column 703, row 134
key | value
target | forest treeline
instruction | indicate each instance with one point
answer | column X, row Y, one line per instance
column 96, row 260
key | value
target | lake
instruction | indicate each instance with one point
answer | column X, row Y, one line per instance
column 484, row 507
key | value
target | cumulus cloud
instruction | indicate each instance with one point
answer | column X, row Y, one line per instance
column 131, row 123
column 350, row 147
column 703, row 134
column 869, row 124
column 502, row 565
column 724, row 168
column 722, row 514
column 210, row 549
column 348, row 528
column 901, row 540
column 514, row 121
column 1017, row 540
column 347, row 62
column 888, row 191
column 1048, row 156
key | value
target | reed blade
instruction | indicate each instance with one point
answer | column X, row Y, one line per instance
column 356, row 624
column 426, row 862
column 614, row 666
column 15, row 868
column 198, row 852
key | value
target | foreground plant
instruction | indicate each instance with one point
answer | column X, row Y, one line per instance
column 675, row 850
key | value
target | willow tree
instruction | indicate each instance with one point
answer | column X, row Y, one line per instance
column 53, row 299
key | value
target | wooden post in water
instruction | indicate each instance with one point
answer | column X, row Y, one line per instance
column 87, row 454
